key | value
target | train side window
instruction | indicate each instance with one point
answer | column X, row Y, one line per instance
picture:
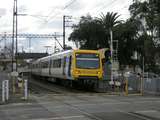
column 46, row 64
column 42, row 64
column 39, row 65
column 56, row 63
column 52, row 63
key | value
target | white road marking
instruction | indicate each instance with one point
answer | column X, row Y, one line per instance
column 136, row 115
column 59, row 118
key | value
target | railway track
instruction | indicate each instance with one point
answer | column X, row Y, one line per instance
column 46, row 87
column 36, row 88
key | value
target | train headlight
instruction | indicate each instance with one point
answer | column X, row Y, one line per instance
column 99, row 72
column 77, row 72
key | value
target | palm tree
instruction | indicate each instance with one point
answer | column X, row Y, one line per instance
column 109, row 20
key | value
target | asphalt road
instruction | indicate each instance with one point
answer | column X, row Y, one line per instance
column 82, row 106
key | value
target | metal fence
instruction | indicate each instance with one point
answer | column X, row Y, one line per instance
column 134, row 85
column 151, row 86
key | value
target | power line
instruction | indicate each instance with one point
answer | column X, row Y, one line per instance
column 110, row 4
column 72, row 1
column 52, row 11
column 69, row 4
column 105, row 5
column 65, row 7
column 24, row 35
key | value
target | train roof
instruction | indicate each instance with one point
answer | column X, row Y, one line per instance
column 53, row 55
column 61, row 53
column 67, row 52
column 86, row 51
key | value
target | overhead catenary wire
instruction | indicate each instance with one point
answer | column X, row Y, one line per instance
column 55, row 16
column 65, row 7
column 104, row 6
column 109, row 5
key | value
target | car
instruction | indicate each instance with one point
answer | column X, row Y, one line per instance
column 151, row 75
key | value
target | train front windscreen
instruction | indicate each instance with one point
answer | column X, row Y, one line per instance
column 87, row 61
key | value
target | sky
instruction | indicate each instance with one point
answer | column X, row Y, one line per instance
column 45, row 17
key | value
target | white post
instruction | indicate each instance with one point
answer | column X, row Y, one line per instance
column 111, row 49
column 25, row 89
column 142, row 82
column 7, row 89
column 3, row 91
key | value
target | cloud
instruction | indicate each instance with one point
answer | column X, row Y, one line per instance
column 56, row 24
column 3, row 11
column 22, row 9
column 45, row 16
column 76, row 6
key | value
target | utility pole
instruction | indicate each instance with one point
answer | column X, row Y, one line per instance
column 65, row 20
column 29, row 45
column 14, row 36
column 55, row 47
column 64, row 32
column 5, row 46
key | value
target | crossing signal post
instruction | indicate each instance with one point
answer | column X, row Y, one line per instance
column 106, row 62
column 108, row 56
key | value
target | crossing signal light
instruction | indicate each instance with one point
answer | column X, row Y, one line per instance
column 108, row 56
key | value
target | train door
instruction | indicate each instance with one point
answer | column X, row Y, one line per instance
column 64, row 65
column 69, row 66
column 39, row 67
column 50, row 65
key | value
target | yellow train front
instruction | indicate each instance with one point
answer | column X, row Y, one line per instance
column 86, row 65
column 77, row 66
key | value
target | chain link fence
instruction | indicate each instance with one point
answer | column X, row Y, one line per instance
column 12, row 89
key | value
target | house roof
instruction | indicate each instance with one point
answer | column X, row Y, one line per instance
column 31, row 55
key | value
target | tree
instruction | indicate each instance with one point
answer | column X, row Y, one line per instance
column 127, row 33
column 93, row 33
column 109, row 20
column 89, row 33
column 68, row 47
column 148, row 13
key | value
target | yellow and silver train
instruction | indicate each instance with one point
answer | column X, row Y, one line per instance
column 70, row 65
